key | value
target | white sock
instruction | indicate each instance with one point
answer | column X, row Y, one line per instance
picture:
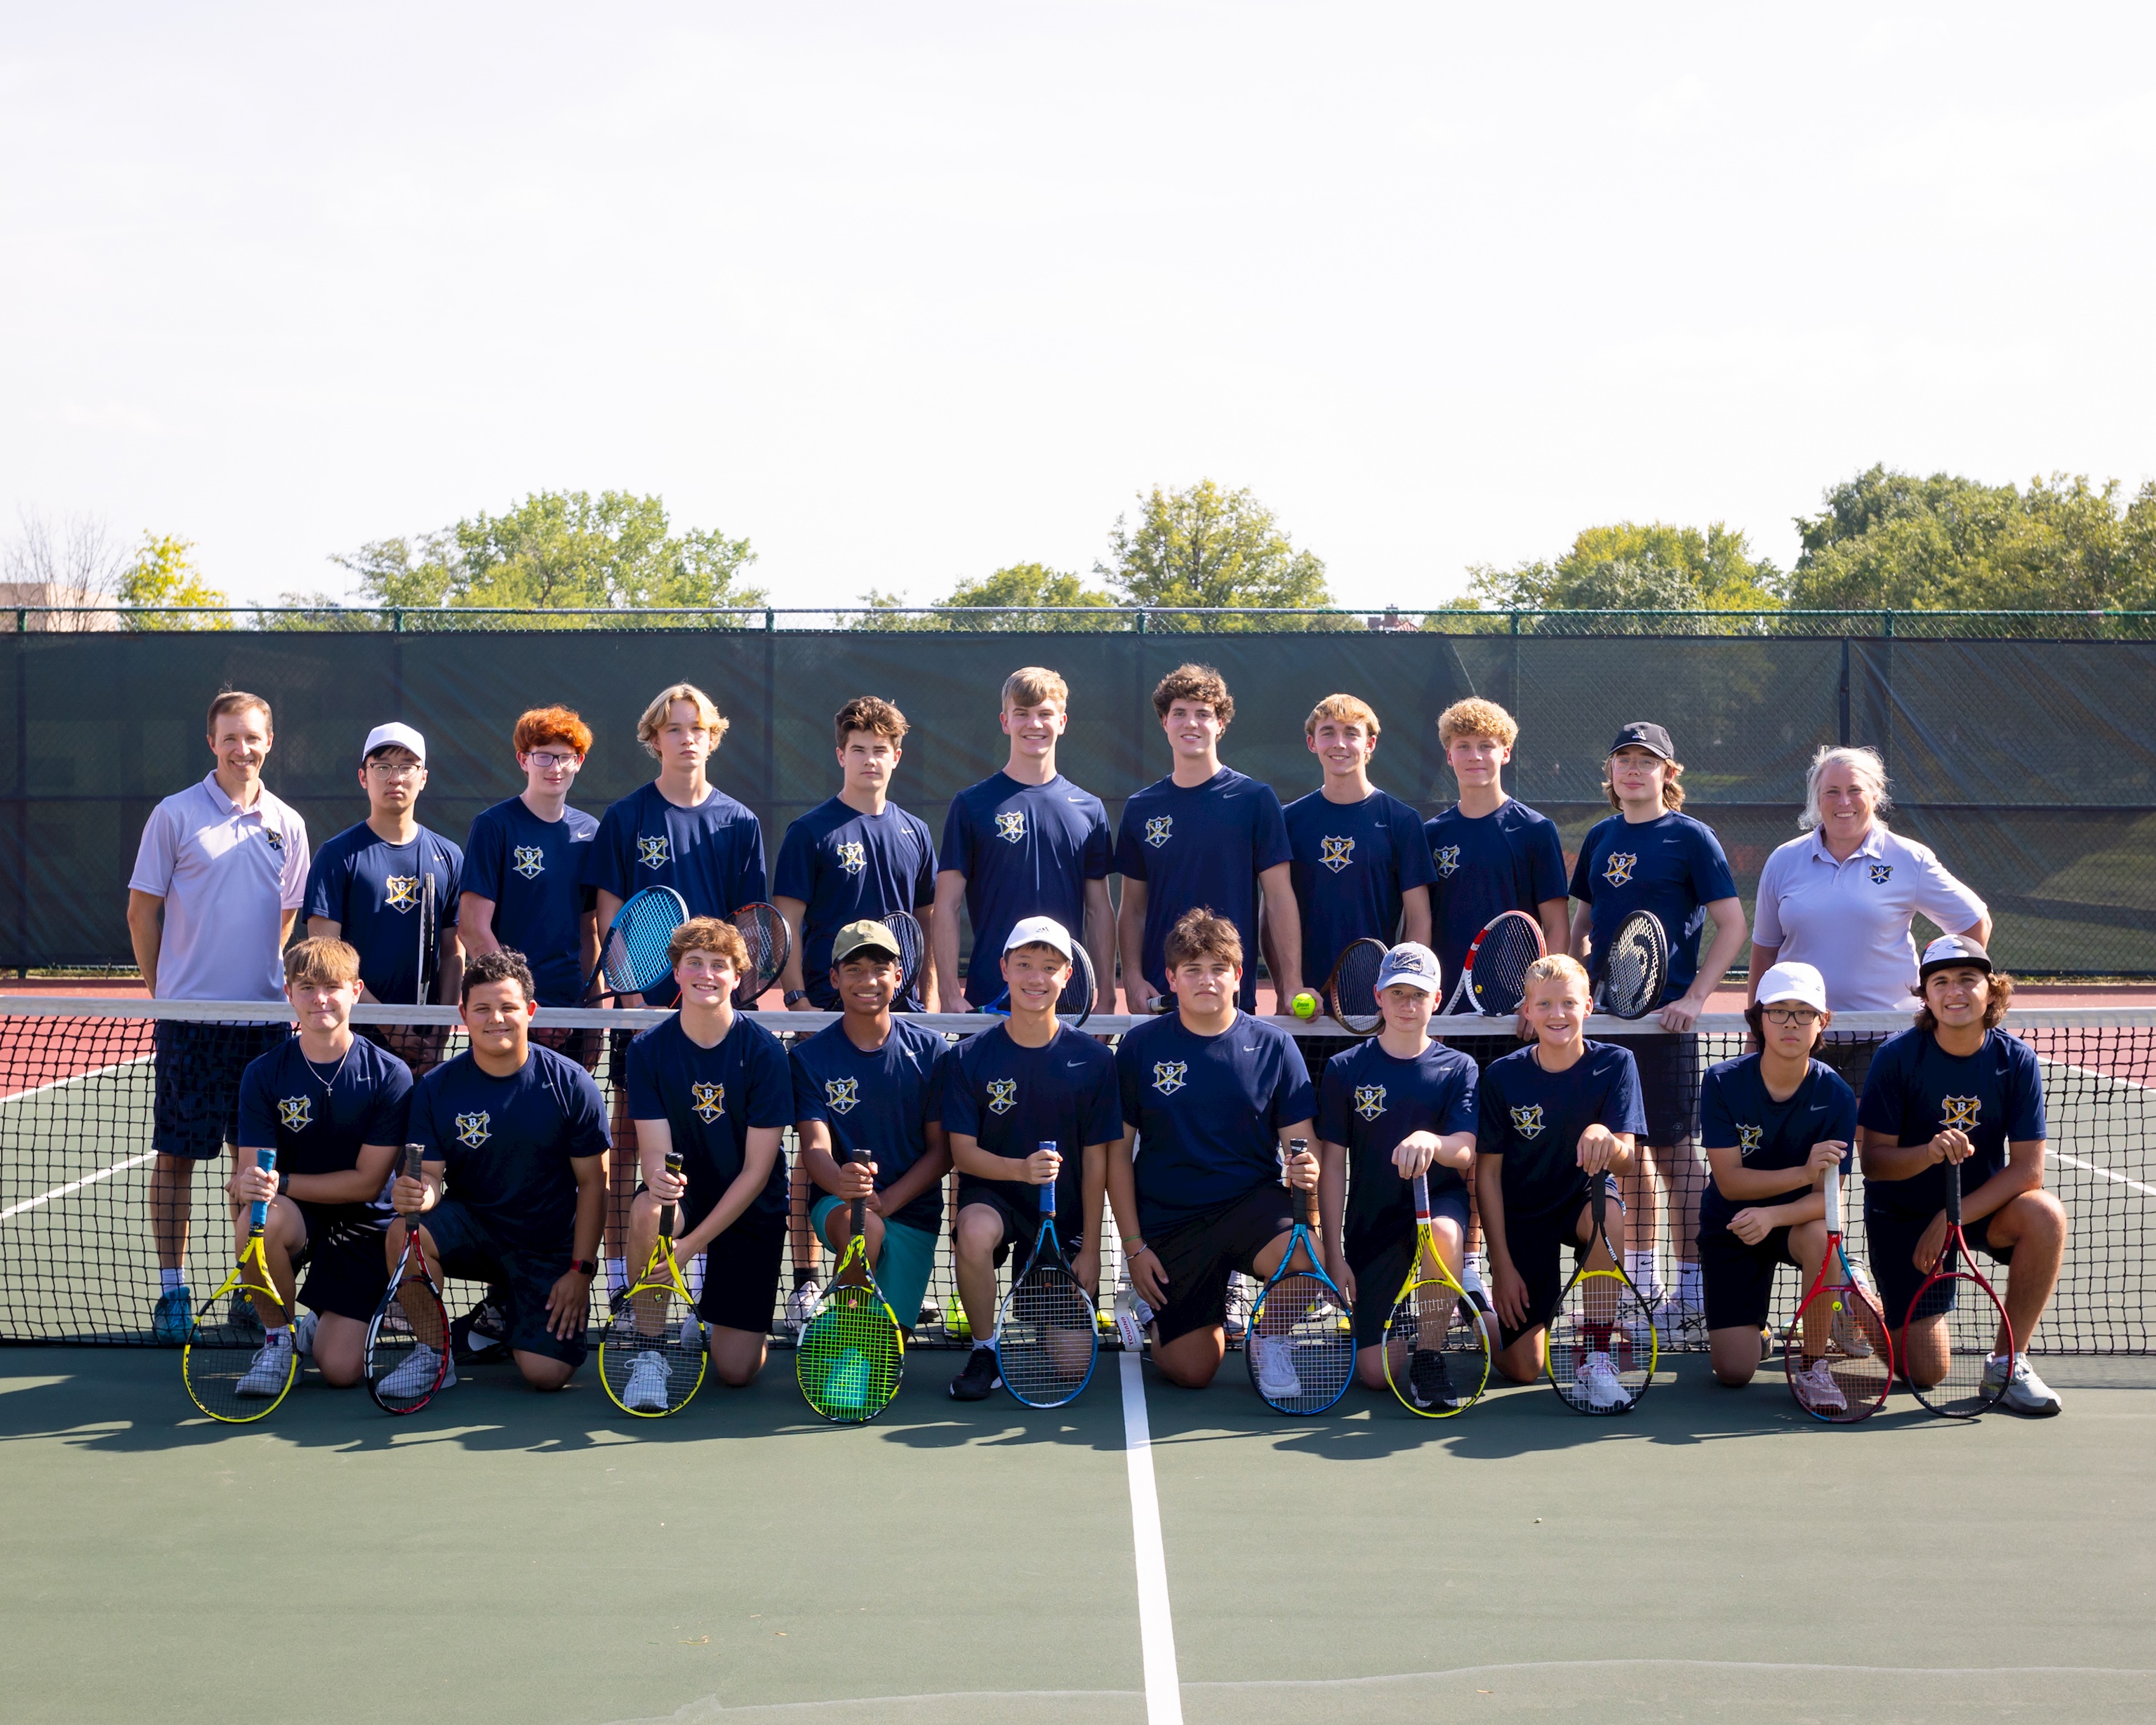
column 1640, row 1267
column 167, row 1280
column 1478, row 1269
column 1688, row 1290
column 617, row 1275
column 279, row 1337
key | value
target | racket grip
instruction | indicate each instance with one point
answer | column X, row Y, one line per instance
column 258, row 1214
column 666, row 1210
column 1422, row 1198
column 860, row 1205
column 1048, row 1192
column 1954, row 1193
column 1296, row 1147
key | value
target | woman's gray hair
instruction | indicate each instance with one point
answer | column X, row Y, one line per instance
column 1870, row 770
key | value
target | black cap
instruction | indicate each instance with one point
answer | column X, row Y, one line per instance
column 1641, row 734
column 1951, row 952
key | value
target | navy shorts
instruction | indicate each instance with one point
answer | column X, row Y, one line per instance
column 1739, row 1279
column 1670, row 1073
column 1891, row 1242
column 1019, row 1230
column 344, row 1258
column 1533, row 1247
column 1381, row 1265
column 195, row 1110
column 741, row 1270
column 1199, row 1253
column 525, row 1277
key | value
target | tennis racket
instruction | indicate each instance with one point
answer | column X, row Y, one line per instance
column 1602, row 1341
column 1300, row 1344
column 234, row 1372
column 426, row 924
column 770, row 943
column 1046, row 1338
column 1352, row 990
column 1839, row 1362
column 651, row 1364
column 632, row 956
column 1493, row 976
column 852, row 1352
column 912, row 947
column 1075, row 1003
column 407, row 1341
column 1636, row 967
column 1954, row 1324
column 1437, row 1351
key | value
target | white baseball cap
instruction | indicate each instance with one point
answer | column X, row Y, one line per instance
column 1793, row 981
column 1040, row 932
column 395, row 735
column 1411, row 963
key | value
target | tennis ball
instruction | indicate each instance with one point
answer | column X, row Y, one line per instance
column 1304, row 1005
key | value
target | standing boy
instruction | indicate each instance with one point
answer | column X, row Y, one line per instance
column 524, row 863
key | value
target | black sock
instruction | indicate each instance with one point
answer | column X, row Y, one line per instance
column 801, row 1275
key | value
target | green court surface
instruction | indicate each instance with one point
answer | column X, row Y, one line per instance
column 509, row 1557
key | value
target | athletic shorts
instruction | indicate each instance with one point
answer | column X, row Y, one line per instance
column 524, row 1277
column 1534, row 1246
column 1380, row 1266
column 902, row 1267
column 1197, row 1255
column 1019, row 1230
column 579, row 1043
column 344, row 1258
column 741, row 1268
column 1890, row 1240
column 195, row 1108
column 1738, row 1280
column 1670, row 1073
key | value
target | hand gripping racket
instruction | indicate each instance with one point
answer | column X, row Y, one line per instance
column 852, row 1352
column 1075, row 1003
column 912, row 947
column 1352, row 990
column 1046, row 1338
column 1840, row 1362
column 234, row 1372
column 407, row 1341
column 1437, row 1351
column 1493, row 977
column 1602, row 1341
column 770, row 943
column 1636, row 967
column 632, row 956
column 1299, row 1346
column 1954, row 1328
column 650, row 1362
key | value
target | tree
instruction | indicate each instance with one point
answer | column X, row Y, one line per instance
column 1629, row 566
column 164, row 573
column 1210, row 548
column 72, row 562
column 1018, row 596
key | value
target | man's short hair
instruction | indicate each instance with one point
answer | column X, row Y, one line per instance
column 238, row 700
column 709, row 934
column 1477, row 718
column 2000, row 996
column 1199, row 933
column 1036, row 686
column 1343, row 709
column 552, row 724
column 1194, row 682
column 873, row 714
column 655, row 716
column 321, row 958
column 503, row 964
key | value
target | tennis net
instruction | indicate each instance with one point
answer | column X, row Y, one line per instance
column 77, row 1084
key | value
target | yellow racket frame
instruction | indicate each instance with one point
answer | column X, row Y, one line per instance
column 662, row 1276
column 1427, row 1256
column 254, row 1253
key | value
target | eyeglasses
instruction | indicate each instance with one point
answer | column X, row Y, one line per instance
column 547, row 761
column 395, row 769
column 1802, row 1018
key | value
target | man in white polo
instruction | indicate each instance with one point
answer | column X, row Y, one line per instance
column 220, row 875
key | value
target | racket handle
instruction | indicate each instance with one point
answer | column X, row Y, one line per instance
column 1048, row 1192
column 1296, row 1147
column 1598, row 1202
column 1422, row 1198
column 860, row 1205
column 1834, row 1202
column 1954, row 1193
column 666, row 1210
column 258, row 1214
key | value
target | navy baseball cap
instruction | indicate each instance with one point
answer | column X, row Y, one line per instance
column 1641, row 734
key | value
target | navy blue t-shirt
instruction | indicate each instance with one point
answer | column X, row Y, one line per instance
column 315, row 1117
column 506, row 1144
column 1671, row 866
column 533, row 870
column 844, row 866
column 1368, row 1101
column 1205, row 846
column 372, row 888
column 1209, row 1112
column 882, row 1102
column 1486, row 864
column 710, row 1097
column 1351, row 862
column 1025, row 851
column 1534, row 1119
column 1011, row 1100
column 1736, row 1112
column 1916, row 1089
column 711, row 854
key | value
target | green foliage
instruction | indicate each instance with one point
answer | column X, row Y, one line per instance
column 1206, row 547
column 164, row 573
column 1888, row 541
column 1020, row 596
column 1629, row 566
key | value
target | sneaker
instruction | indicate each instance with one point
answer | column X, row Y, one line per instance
column 930, row 1318
column 1274, row 1363
column 1132, row 1314
column 1681, row 1323
column 645, row 1392
column 483, row 1333
column 303, row 1335
column 957, row 1326
column 1597, row 1382
column 2024, row 1392
column 409, row 1380
column 1236, row 1319
column 1430, row 1383
column 979, row 1379
column 173, row 1322
column 1818, row 1392
column 246, row 1321
column 692, row 1333
column 616, row 1299
column 800, row 1304
column 266, row 1374
column 1849, row 1335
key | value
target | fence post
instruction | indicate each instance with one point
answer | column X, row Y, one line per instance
column 770, row 621
column 1516, row 622
column 397, row 622
column 1138, row 622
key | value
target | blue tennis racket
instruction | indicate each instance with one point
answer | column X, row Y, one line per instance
column 1046, row 1338
column 633, row 956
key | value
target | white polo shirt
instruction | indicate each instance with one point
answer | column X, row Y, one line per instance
column 227, row 876
column 1851, row 919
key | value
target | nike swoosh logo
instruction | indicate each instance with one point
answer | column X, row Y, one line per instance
column 1074, row 799
column 1072, row 1065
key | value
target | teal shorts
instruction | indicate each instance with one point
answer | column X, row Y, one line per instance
column 902, row 1267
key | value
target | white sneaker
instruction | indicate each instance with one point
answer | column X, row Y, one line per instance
column 1818, row 1391
column 1599, row 1385
column 1275, row 1360
column 266, row 1374
column 2024, row 1392
column 646, row 1391
column 1132, row 1314
column 409, row 1380
column 303, row 1335
column 801, row 1305
column 1236, row 1318
column 692, row 1332
column 1681, row 1323
column 1849, row 1335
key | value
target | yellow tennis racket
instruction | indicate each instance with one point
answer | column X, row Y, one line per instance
column 652, row 1362
column 235, row 1371
column 1437, row 1345
column 852, row 1352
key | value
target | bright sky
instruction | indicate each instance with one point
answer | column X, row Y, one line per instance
column 906, row 293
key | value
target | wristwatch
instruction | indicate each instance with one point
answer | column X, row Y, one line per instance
column 584, row 1267
column 793, row 994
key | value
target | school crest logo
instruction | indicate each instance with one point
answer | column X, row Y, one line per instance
column 840, row 1095
column 1448, row 860
column 1749, row 1138
column 1369, row 1100
column 472, row 1130
column 401, row 893
column 1168, row 1075
column 1527, row 1122
column 529, row 861
column 1960, row 1111
column 273, row 838
column 853, row 856
column 652, row 850
column 1158, row 829
column 1881, row 873
column 1010, row 826
column 1336, row 854
column 1618, row 871
column 1003, row 1095
column 294, row 1113
column 708, row 1102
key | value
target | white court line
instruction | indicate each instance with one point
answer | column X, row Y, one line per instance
column 2097, row 1167
column 23, row 1095
column 103, row 1173
column 1164, row 1691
